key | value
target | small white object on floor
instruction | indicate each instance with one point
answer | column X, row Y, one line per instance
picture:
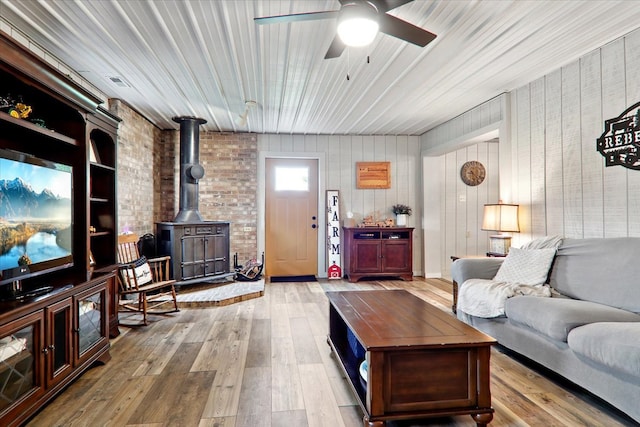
column 364, row 367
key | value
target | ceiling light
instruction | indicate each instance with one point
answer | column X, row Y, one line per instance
column 242, row 118
column 358, row 24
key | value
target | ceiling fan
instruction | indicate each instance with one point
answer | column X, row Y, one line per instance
column 371, row 14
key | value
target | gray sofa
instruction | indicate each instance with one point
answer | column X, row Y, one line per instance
column 589, row 330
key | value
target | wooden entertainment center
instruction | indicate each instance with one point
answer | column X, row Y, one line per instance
column 48, row 340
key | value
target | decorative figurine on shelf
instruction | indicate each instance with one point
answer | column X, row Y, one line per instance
column 368, row 221
column 21, row 111
column 24, row 260
column 39, row 122
column 14, row 108
column 388, row 222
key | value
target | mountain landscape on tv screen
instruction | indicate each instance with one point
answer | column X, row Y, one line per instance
column 19, row 201
column 34, row 226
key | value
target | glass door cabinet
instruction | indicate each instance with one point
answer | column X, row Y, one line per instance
column 91, row 322
column 21, row 374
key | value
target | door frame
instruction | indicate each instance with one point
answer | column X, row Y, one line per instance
column 322, row 203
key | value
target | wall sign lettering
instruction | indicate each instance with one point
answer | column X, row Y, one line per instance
column 620, row 142
column 333, row 234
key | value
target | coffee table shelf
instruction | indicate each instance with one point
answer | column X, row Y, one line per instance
column 422, row 362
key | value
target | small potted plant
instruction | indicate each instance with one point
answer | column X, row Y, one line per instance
column 402, row 214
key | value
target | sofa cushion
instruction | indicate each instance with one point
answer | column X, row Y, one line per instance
column 556, row 317
column 603, row 270
column 615, row 345
column 526, row 266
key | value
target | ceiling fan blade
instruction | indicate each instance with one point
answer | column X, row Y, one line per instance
column 404, row 30
column 297, row 17
column 386, row 5
column 335, row 49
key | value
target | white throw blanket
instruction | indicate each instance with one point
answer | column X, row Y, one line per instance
column 486, row 298
column 528, row 265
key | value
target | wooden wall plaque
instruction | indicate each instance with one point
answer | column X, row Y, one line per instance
column 373, row 175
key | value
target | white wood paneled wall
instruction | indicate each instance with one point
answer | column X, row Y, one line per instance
column 461, row 216
column 342, row 152
column 560, row 179
column 456, row 141
column 469, row 127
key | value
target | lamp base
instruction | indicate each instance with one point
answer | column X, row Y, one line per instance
column 499, row 244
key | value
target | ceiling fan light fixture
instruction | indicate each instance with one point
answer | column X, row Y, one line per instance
column 358, row 24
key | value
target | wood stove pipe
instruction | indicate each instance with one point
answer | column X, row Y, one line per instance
column 191, row 171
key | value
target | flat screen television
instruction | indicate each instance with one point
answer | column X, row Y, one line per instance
column 36, row 216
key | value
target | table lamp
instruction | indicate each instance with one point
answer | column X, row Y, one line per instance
column 502, row 218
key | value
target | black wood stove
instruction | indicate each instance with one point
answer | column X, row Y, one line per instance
column 199, row 249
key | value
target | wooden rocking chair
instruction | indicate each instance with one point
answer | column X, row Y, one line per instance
column 144, row 283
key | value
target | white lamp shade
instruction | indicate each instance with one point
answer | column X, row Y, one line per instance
column 357, row 24
column 500, row 217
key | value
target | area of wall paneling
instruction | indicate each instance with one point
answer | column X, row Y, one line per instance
column 463, row 205
column 342, row 152
column 561, row 182
column 457, row 227
column 469, row 126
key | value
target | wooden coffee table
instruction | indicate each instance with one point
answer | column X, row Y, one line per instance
column 422, row 362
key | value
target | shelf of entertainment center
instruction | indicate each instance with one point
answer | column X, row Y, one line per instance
column 27, row 125
column 101, row 166
column 99, row 200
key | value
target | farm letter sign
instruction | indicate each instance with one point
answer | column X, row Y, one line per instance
column 333, row 234
column 620, row 142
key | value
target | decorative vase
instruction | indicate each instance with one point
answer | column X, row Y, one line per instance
column 401, row 220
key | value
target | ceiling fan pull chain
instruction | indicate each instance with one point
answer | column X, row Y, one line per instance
column 348, row 63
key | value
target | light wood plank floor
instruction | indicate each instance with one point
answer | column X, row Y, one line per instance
column 265, row 362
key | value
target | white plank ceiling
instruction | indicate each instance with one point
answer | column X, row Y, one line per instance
column 206, row 58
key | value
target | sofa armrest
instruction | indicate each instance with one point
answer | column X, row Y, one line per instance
column 474, row 268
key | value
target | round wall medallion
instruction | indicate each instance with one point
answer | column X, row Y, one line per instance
column 472, row 173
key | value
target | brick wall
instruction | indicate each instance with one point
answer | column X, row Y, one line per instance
column 228, row 190
column 168, row 182
column 138, row 175
column 148, row 179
